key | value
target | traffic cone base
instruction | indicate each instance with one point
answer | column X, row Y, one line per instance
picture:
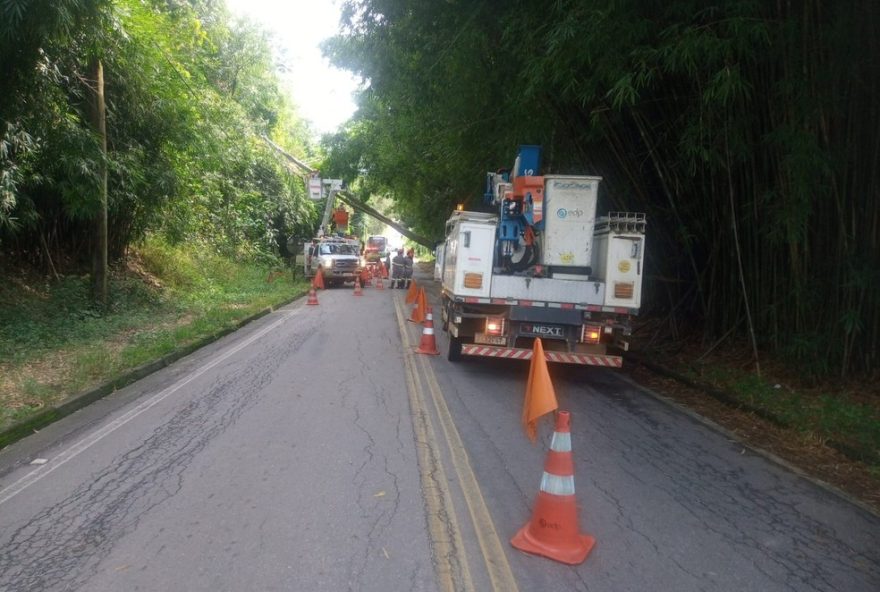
column 313, row 297
column 552, row 531
column 428, row 343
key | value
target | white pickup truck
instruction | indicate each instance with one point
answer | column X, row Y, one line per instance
column 337, row 259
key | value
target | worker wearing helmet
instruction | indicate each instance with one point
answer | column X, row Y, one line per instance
column 407, row 268
column 397, row 270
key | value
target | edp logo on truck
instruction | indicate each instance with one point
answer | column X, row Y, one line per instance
column 563, row 213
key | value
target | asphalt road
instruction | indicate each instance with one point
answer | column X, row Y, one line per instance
column 313, row 450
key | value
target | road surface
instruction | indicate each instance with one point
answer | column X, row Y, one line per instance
column 313, row 450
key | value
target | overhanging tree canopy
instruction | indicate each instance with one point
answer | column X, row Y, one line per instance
column 762, row 114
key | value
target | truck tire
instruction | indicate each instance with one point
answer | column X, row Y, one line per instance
column 453, row 354
column 446, row 314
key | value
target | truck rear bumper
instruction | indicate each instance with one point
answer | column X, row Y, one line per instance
column 515, row 353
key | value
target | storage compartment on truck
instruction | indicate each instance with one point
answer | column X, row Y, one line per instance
column 620, row 256
column 569, row 218
column 467, row 262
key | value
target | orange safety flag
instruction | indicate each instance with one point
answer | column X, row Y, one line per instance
column 540, row 396
column 420, row 309
column 412, row 295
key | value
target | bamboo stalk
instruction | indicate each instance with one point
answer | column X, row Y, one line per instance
column 742, row 280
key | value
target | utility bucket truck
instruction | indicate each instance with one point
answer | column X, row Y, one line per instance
column 541, row 266
column 375, row 252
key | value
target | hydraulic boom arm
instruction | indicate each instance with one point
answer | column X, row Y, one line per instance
column 350, row 200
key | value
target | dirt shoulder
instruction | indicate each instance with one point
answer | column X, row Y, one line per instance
column 812, row 454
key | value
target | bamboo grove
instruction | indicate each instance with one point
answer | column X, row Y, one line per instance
column 189, row 93
column 747, row 130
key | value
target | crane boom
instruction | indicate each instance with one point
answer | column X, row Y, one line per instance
column 350, row 200
column 302, row 166
column 370, row 211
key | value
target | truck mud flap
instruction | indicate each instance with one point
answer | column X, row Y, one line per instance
column 513, row 353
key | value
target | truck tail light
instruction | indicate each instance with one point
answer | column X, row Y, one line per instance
column 496, row 326
column 591, row 333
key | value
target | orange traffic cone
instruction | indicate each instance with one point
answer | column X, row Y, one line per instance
column 313, row 297
column 357, row 287
column 428, row 344
column 380, row 281
column 553, row 530
column 418, row 311
column 318, row 280
column 412, row 294
column 384, row 271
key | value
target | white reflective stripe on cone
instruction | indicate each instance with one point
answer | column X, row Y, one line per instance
column 561, row 442
column 428, row 331
column 556, row 485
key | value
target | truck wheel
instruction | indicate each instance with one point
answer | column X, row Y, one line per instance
column 445, row 313
column 453, row 354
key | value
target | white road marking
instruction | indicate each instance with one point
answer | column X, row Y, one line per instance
column 76, row 449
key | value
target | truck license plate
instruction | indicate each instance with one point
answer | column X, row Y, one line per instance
column 484, row 339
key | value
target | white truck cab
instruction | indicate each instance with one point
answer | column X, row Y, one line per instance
column 336, row 258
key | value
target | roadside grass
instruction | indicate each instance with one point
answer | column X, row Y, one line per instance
column 54, row 342
column 839, row 419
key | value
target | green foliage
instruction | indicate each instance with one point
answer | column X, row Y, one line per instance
column 828, row 417
column 189, row 91
column 682, row 107
column 55, row 342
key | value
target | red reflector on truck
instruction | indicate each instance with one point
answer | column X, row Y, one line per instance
column 473, row 281
column 512, row 353
column 624, row 290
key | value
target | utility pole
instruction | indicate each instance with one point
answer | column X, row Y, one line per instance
column 99, row 124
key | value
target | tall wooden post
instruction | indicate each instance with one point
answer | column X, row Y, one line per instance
column 99, row 123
